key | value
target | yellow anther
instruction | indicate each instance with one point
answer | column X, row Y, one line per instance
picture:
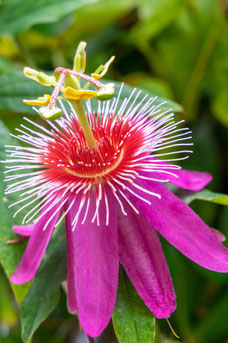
column 41, row 101
column 74, row 94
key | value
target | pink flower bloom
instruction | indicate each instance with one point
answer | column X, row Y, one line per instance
column 113, row 199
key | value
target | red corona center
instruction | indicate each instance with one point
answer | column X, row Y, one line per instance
column 67, row 155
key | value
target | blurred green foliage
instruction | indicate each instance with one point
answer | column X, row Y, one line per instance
column 176, row 49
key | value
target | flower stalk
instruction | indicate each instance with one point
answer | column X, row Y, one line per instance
column 81, row 114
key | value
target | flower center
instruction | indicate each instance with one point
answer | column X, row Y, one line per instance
column 68, row 156
column 96, row 168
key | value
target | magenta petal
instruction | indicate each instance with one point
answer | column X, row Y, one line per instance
column 24, row 230
column 192, row 180
column 71, row 288
column 143, row 259
column 36, row 247
column 97, row 264
column 184, row 229
column 187, row 179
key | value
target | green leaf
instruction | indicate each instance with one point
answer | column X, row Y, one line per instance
column 217, row 78
column 220, row 104
column 19, row 15
column 14, row 87
column 10, row 254
column 155, row 16
column 43, row 295
column 149, row 84
column 100, row 15
column 169, row 104
column 8, row 314
column 207, row 195
column 127, row 90
column 6, row 66
column 133, row 322
column 185, row 72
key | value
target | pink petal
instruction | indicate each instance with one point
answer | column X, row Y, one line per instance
column 143, row 259
column 184, row 229
column 71, row 288
column 36, row 247
column 187, row 179
column 24, row 230
column 192, row 180
column 96, row 268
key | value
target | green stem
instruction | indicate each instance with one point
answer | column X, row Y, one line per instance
column 81, row 114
